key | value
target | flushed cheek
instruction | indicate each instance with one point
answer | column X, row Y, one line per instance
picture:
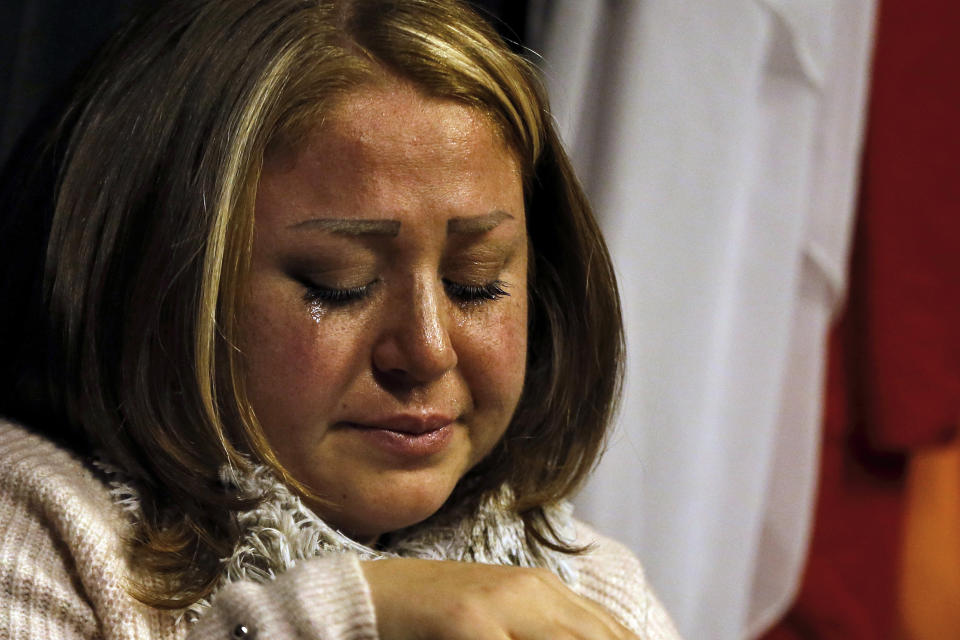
column 493, row 360
column 300, row 365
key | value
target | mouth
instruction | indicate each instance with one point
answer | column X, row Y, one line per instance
column 407, row 423
column 408, row 437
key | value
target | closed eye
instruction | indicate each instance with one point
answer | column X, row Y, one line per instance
column 462, row 293
column 331, row 296
column 467, row 293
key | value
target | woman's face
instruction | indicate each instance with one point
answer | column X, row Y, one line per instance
column 385, row 325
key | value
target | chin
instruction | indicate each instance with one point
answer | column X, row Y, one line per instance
column 370, row 517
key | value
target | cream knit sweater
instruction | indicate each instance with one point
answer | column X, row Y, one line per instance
column 62, row 570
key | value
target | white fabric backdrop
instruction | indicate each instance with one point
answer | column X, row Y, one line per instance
column 719, row 142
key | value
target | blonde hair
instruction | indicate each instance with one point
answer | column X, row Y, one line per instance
column 152, row 230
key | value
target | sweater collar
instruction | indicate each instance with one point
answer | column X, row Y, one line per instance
column 281, row 531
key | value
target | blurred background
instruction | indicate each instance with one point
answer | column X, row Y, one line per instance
column 779, row 183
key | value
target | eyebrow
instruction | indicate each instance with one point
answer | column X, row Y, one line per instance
column 391, row 228
column 352, row 227
column 477, row 224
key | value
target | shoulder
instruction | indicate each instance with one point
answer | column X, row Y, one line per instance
column 610, row 574
column 33, row 466
column 62, row 552
column 52, row 486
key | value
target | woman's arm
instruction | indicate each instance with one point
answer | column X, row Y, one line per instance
column 63, row 577
column 62, row 569
column 63, row 574
column 611, row 575
column 319, row 598
column 468, row 601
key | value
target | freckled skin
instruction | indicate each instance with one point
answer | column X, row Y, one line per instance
column 409, row 346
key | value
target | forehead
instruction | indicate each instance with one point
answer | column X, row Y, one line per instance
column 397, row 102
column 388, row 146
column 393, row 122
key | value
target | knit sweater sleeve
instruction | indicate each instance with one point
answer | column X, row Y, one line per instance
column 324, row 598
column 63, row 574
column 611, row 575
column 38, row 589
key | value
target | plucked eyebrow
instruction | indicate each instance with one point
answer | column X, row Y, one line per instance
column 352, row 227
column 391, row 228
column 477, row 224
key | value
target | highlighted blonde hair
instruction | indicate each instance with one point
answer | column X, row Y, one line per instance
column 151, row 236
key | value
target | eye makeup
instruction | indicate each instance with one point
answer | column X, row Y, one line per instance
column 474, row 294
column 464, row 294
column 471, row 270
column 334, row 297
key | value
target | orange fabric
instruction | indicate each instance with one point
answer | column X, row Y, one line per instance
column 930, row 583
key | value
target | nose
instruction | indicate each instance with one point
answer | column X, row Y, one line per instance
column 415, row 346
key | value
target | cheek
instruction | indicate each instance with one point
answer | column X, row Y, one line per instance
column 277, row 344
column 297, row 365
column 493, row 357
column 277, row 351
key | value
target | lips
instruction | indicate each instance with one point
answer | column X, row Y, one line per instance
column 410, row 424
column 406, row 436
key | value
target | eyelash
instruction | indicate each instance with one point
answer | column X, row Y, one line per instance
column 462, row 293
column 334, row 297
column 476, row 294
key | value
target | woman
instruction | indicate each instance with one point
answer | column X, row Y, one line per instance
column 324, row 329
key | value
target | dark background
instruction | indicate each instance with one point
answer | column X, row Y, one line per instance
column 44, row 44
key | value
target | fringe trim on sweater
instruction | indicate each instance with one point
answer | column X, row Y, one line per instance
column 280, row 531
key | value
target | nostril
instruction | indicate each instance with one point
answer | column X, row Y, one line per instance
column 397, row 381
